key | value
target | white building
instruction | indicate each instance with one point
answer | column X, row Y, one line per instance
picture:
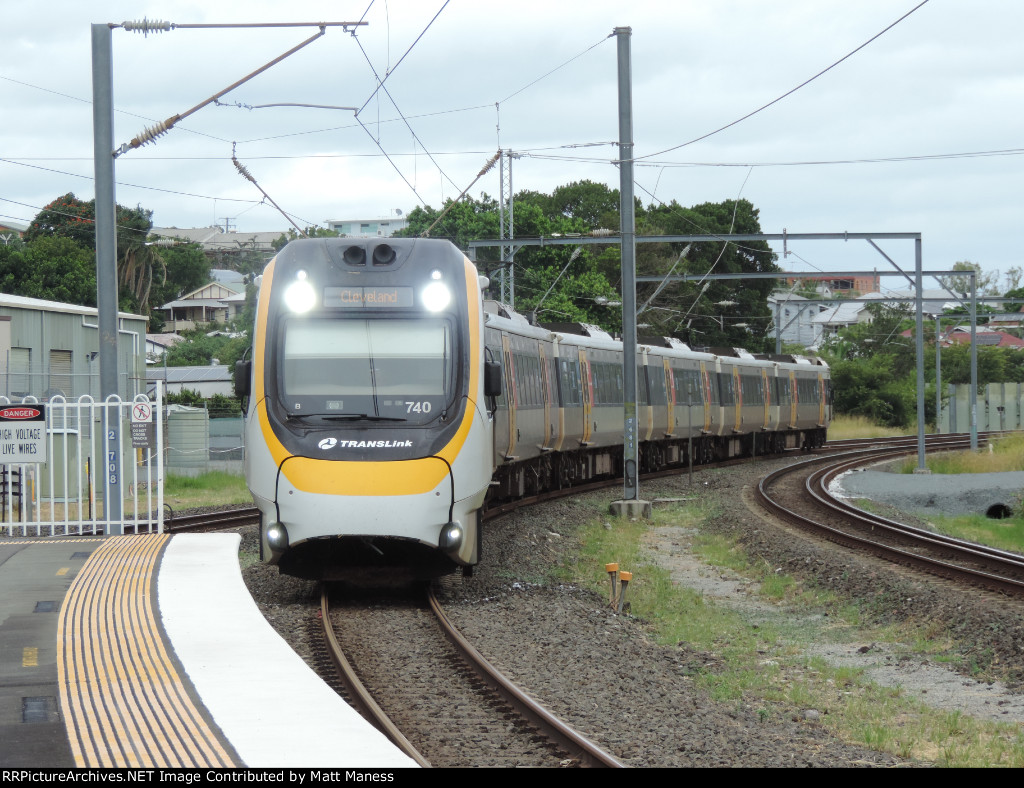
column 369, row 228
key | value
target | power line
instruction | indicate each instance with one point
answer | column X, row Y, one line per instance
column 789, row 92
column 128, row 185
column 380, row 82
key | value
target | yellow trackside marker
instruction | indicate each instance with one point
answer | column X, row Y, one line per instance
column 613, row 575
column 63, row 571
column 30, row 657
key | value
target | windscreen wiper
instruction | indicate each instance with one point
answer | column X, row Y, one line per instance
column 358, row 417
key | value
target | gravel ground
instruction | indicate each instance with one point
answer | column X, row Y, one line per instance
column 603, row 673
column 930, row 494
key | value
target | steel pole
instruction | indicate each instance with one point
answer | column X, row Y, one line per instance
column 627, row 229
column 106, row 262
column 919, row 318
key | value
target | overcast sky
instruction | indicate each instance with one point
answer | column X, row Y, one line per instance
column 921, row 130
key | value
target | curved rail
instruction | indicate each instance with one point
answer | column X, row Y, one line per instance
column 358, row 693
column 994, row 569
column 569, row 741
column 574, row 743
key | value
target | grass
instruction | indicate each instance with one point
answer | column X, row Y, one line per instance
column 1003, row 454
column 763, row 665
column 853, row 427
column 213, row 488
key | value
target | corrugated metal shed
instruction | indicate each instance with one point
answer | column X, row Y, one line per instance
column 51, row 348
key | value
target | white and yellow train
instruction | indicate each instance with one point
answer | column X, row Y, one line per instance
column 387, row 403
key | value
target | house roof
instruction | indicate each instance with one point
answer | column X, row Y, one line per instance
column 24, row 302
column 212, row 303
column 986, row 337
column 214, row 239
column 214, row 373
column 842, row 313
column 164, row 340
column 227, row 276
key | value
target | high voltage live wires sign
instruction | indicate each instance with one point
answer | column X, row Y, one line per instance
column 22, row 434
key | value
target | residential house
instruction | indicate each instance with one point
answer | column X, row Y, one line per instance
column 793, row 318
column 216, row 302
column 985, row 337
column 10, row 230
column 369, row 228
column 157, row 346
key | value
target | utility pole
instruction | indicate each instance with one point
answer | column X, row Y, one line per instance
column 630, row 505
column 106, row 266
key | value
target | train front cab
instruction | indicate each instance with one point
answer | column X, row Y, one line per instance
column 353, row 457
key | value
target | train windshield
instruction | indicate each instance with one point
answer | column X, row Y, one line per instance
column 368, row 369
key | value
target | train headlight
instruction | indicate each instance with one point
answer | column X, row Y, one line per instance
column 277, row 538
column 451, row 538
column 436, row 296
column 300, row 296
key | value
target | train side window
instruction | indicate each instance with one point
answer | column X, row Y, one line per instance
column 569, row 382
column 656, row 384
column 643, row 396
column 725, row 385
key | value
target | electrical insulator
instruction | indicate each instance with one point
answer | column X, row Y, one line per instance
column 147, row 26
column 150, row 133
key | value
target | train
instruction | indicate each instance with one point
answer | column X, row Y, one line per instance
column 387, row 403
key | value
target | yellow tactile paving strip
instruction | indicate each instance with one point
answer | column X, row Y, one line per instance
column 123, row 702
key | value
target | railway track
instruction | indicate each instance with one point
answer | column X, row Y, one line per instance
column 800, row 494
column 437, row 698
column 211, row 521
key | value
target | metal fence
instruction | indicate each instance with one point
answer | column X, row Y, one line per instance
column 65, row 476
column 1000, row 407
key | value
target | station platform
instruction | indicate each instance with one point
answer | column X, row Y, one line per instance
column 157, row 657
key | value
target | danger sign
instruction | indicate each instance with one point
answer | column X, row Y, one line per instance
column 22, row 434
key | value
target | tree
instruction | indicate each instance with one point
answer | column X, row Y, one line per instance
column 50, row 268
column 880, row 338
column 1017, row 302
column 593, row 204
column 1013, row 277
column 867, row 387
column 986, row 284
column 187, row 269
column 461, row 222
column 309, row 232
column 708, row 314
column 200, row 350
column 138, row 263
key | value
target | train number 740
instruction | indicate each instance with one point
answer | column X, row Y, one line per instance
column 417, row 407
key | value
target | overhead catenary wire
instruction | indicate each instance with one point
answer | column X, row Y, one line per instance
column 150, row 133
column 380, row 82
column 486, row 168
column 788, row 93
column 248, row 176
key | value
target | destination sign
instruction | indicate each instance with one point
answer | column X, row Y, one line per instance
column 368, row 297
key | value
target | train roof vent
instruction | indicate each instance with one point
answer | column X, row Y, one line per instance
column 677, row 343
column 782, row 357
column 732, row 352
column 669, row 342
column 579, row 329
column 504, row 310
